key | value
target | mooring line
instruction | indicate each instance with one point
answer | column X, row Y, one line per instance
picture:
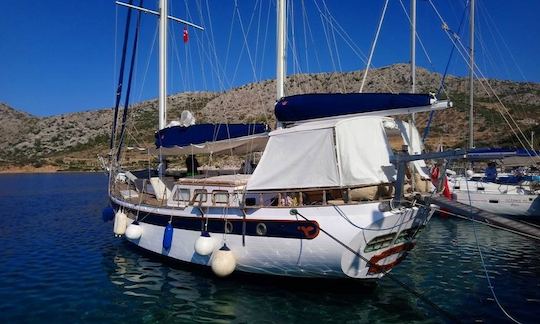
column 490, row 285
column 386, row 273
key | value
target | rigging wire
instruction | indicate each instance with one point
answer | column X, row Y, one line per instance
column 130, row 79
column 265, row 39
column 200, row 49
column 491, row 26
column 386, row 273
column 246, row 45
column 148, row 62
column 416, row 34
column 485, row 85
column 445, row 73
column 490, row 284
column 348, row 41
column 115, row 58
column 292, row 41
column 340, row 76
column 305, row 15
column 212, row 56
column 257, row 33
column 325, row 27
column 373, row 46
column 120, row 78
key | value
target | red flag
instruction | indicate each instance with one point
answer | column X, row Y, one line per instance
column 435, row 176
column 186, row 35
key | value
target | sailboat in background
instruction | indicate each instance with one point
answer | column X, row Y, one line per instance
column 320, row 202
column 520, row 197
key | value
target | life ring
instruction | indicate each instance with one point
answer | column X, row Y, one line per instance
column 375, row 267
column 309, row 231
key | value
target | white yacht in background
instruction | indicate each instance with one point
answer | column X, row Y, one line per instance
column 505, row 193
column 493, row 195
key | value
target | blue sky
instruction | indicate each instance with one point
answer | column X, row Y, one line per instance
column 62, row 56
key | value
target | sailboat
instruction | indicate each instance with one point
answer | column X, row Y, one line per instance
column 498, row 196
column 322, row 202
column 495, row 195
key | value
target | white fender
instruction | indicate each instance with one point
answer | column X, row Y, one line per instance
column 120, row 223
column 223, row 262
column 134, row 231
column 205, row 245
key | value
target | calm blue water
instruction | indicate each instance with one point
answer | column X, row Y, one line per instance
column 60, row 263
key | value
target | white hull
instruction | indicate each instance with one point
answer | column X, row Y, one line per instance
column 499, row 199
column 321, row 256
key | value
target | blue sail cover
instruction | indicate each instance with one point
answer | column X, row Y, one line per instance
column 321, row 105
column 486, row 153
column 203, row 133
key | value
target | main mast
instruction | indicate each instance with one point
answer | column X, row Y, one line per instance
column 163, row 23
column 413, row 47
column 163, row 14
column 412, row 122
column 281, row 35
column 471, row 77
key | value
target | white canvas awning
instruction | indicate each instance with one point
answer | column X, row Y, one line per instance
column 364, row 152
column 346, row 152
column 303, row 159
column 415, row 147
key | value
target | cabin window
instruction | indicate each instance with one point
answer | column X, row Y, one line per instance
column 181, row 194
column 380, row 242
column 251, row 201
column 200, row 195
column 220, row 197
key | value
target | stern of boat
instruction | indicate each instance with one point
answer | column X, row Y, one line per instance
column 377, row 249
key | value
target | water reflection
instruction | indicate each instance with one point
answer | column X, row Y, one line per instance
column 61, row 261
column 194, row 294
column 445, row 267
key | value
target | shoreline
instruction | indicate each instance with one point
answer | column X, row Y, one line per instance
column 34, row 170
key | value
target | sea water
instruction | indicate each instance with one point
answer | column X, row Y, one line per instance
column 59, row 262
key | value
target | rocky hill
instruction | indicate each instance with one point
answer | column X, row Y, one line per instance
column 72, row 141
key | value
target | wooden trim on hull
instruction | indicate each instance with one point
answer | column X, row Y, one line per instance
column 296, row 229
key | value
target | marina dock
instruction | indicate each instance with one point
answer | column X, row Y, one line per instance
column 519, row 227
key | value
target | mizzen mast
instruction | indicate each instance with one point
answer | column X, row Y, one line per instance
column 471, row 77
column 163, row 13
column 281, row 64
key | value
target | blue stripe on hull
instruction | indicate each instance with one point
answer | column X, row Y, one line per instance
column 249, row 227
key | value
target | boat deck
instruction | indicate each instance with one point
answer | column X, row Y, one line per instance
column 229, row 190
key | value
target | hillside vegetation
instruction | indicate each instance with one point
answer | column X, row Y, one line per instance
column 73, row 141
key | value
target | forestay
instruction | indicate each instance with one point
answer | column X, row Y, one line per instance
column 345, row 152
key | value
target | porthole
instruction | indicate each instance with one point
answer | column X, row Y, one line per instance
column 260, row 229
column 228, row 227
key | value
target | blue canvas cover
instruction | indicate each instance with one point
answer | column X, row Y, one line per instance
column 203, row 133
column 487, row 153
column 321, row 105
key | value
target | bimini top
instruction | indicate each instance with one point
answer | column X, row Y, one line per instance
column 323, row 105
column 208, row 138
